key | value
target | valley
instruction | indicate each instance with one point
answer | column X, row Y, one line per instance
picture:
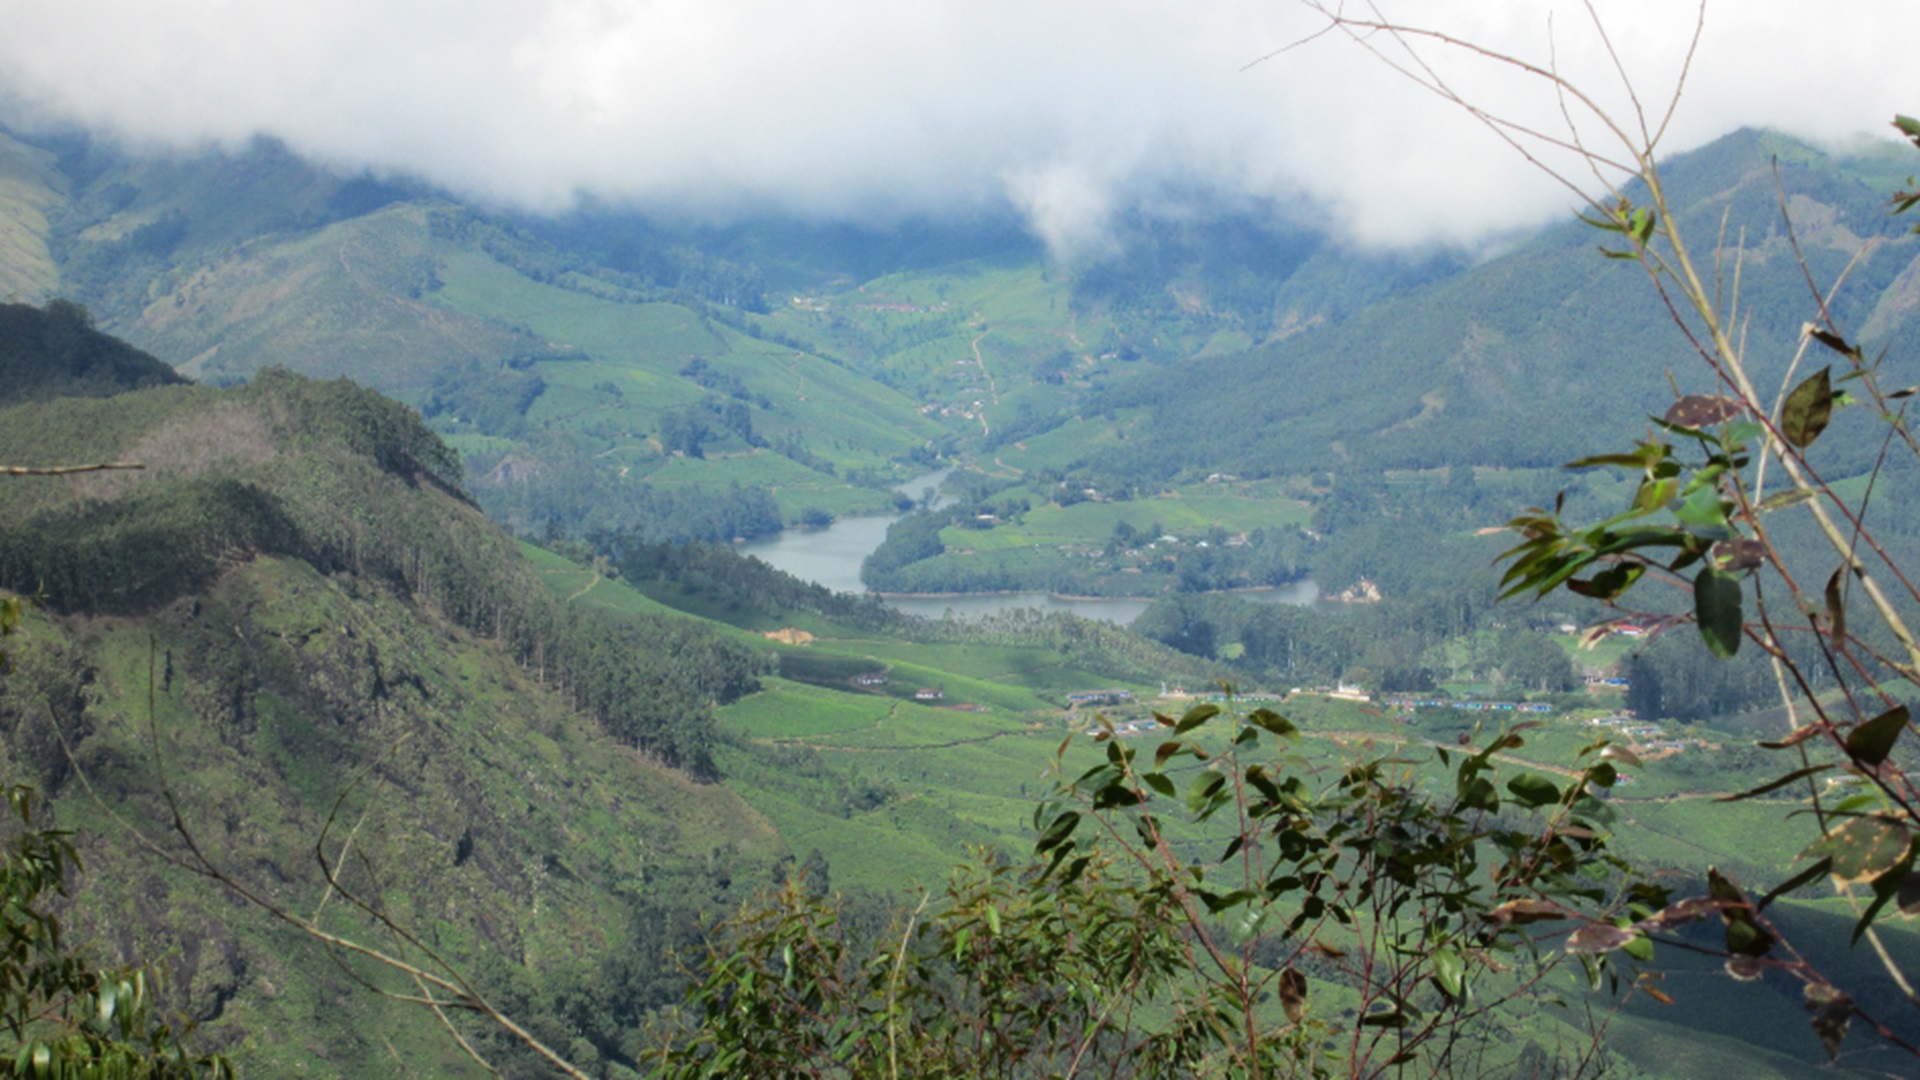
column 612, row 573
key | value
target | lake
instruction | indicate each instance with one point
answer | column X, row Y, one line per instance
column 832, row 557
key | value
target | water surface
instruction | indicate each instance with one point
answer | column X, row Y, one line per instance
column 832, row 557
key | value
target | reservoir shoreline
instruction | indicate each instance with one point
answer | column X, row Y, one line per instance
column 831, row 557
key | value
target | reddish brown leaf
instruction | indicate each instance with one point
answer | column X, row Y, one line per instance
column 1733, row 555
column 1293, row 994
column 1832, row 1011
column 1682, row 913
column 1599, row 937
column 1527, row 911
column 1703, row 410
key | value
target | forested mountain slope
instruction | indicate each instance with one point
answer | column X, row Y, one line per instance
column 1539, row 354
column 56, row 353
column 295, row 621
column 593, row 367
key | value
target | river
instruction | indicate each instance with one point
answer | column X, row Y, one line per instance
column 832, row 557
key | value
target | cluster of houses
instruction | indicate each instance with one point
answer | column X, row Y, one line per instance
column 873, row 680
column 1099, row 697
column 1646, row 737
column 1410, row 703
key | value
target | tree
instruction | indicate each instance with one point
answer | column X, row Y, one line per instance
column 1277, row 919
column 64, row 1015
column 1533, row 662
column 1733, row 512
column 1701, row 521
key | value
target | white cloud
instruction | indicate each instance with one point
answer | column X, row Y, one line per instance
column 1070, row 110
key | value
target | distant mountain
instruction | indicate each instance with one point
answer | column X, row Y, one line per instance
column 1544, row 352
column 599, row 370
column 576, row 361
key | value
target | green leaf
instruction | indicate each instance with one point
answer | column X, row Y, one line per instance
column 1201, row 795
column 1654, row 494
column 1058, row 832
column 1610, row 583
column 1449, row 972
column 1274, row 722
column 1196, row 716
column 1774, row 785
column 1620, row 754
column 1716, row 607
column 1745, row 938
column 1780, row 500
column 1477, row 794
column 1907, row 125
column 1391, row 1018
column 1639, row 459
column 1807, row 410
column 1863, row 848
column 1853, row 804
column 1871, row 742
column 1794, row 882
column 1704, row 508
column 1641, row 224
column 1532, row 789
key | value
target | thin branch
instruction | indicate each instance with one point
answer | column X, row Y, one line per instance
column 66, row 470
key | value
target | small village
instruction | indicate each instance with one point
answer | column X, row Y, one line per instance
column 1648, row 740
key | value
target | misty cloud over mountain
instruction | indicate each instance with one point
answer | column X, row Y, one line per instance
column 1071, row 111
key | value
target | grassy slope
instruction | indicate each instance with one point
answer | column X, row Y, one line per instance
column 339, row 300
column 1052, row 539
column 1502, row 364
column 487, row 814
column 30, row 187
column 463, row 749
column 956, row 776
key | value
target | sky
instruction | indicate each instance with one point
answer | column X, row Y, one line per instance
column 1072, row 112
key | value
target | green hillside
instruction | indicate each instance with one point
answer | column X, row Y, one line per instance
column 586, row 366
column 31, row 188
column 293, row 621
column 1532, row 357
column 297, row 600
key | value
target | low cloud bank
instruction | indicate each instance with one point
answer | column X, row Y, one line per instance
column 1072, row 111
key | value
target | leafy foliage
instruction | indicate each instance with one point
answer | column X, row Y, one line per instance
column 64, row 1017
column 995, row 978
column 1278, row 919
